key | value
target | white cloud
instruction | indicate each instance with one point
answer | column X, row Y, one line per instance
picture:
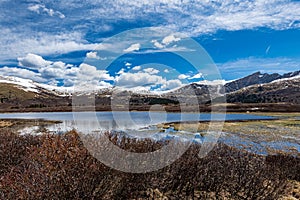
column 40, row 8
column 172, row 84
column 214, row 82
column 151, row 71
column 196, row 76
column 133, row 47
column 191, row 17
column 68, row 82
column 51, row 71
column 246, row 66
column 165, row 42
column 18, row 44
column 90, row 73
column 104, row 84
column 196, row 17
column 33, row 61
column 54, row 73
column 21, row 73
column 157, row 44
column 92, row 55
column 35, row 8
column 71, row 72
column 48, row 70
column 137, row 68
column 138, row 79
column 145, row 80
column 268, row 49
column 127, row 64
column 89, row 77
column 170, row 39
column 122, row 71
column 167, row 71
column 183, row 76
column 60, row 65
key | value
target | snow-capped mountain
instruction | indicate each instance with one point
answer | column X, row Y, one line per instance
column 285, row 90
column 257, row 78
column 31, row 86
column 17, row 93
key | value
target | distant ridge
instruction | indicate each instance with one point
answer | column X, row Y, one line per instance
column 256, row 78
column 256, row 90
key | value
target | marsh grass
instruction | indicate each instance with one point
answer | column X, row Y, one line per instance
column 263, row 127
column 60, row 167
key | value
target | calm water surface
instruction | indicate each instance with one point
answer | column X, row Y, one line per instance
column 139, row 124
column 123, row 120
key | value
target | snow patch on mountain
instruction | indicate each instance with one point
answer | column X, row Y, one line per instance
column 24, row 84
column 31, row 86
column 287, row 79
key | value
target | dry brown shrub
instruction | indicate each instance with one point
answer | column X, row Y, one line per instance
column 60, row 167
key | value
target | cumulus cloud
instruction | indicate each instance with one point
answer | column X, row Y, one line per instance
column 183, row 76
column 53, row 73
column 89, row 72
column 21, row 73
column 133, row 47
column 139, row 79
column 157, row 44
column 122, row 71
column 151, row 71
column 33, row 61
column 92, row 55
column 46, row 35
column 145, row 80
column 88, row 77
column 136, row 68
column 171, row 84
column 49, row 72
column 47, row 69
column 170, row 39
column 165, row 42
column 40, row 8
column 68, row 82
column 196, row 76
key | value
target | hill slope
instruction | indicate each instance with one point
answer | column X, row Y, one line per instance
column 256, row 78
column 21, row 95
column 280, row 91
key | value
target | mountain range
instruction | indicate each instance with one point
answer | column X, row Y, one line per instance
column 256, row 92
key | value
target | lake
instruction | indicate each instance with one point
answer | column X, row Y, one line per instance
column 91, row 121
column 142, row 125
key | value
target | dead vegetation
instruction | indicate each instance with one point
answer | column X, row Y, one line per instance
column 60, row 167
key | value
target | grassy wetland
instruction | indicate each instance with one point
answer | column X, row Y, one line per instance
column 288, row 121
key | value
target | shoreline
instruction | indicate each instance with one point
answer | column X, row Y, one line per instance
column 228, row 107
column 16, row 124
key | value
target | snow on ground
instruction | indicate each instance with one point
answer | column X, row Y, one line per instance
column 286, row 79
column 24, row 84
column 61, row 91
column 30, row 86
column 212, row 83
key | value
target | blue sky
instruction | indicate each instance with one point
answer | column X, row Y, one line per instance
column 48, row 40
